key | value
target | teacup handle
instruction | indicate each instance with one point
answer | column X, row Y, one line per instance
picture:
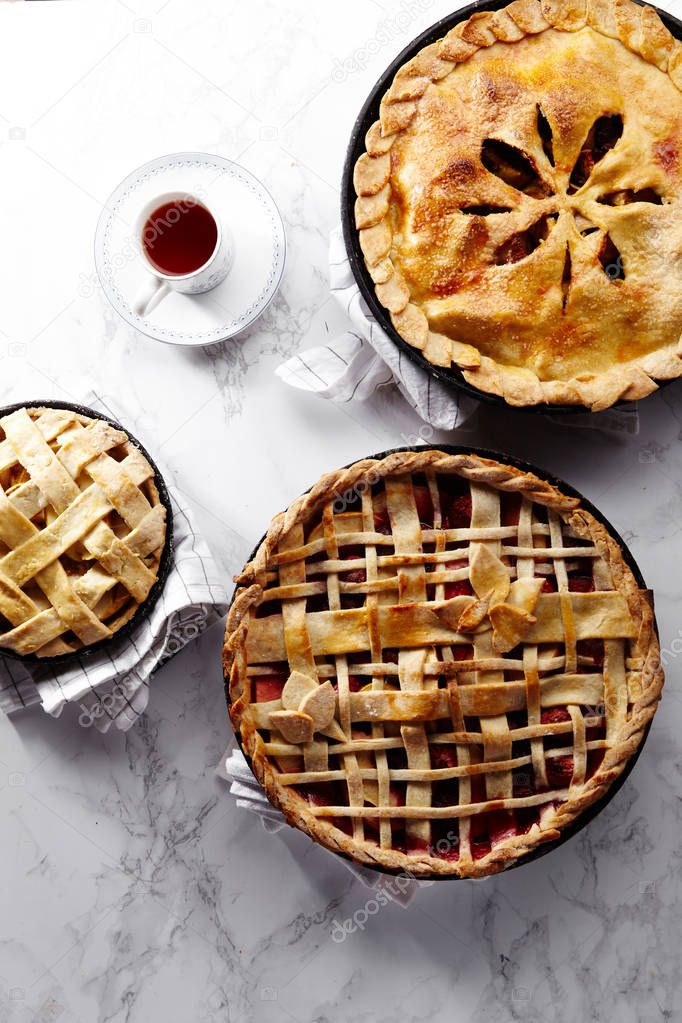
column 149, row 297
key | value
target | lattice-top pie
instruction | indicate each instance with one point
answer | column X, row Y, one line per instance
column 82, row 531
column 436, row 662
column 520, row 202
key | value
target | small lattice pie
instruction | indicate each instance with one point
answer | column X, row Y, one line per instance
column 82, row 531
column 437, row 662
column 520, row 202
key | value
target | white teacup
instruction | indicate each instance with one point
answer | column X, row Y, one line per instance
column 203, row 278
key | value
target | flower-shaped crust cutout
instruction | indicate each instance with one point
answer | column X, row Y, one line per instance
column 519, row 202
column 517, row 169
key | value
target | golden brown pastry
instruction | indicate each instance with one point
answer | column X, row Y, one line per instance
column 82, row 531
column 520, row 202
column 442, row 670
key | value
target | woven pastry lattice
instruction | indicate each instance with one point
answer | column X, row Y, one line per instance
column 431, row 665
column 82, row 530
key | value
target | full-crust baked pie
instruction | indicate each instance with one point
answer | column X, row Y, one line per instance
column 436, row 662
column 82, row 531
column 520, row 202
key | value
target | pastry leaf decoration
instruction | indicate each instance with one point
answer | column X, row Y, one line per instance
column 308, row 707
column 508, row 606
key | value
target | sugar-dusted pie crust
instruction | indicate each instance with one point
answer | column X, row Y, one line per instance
column 465, row 644
column 561, row 281
column 82, row 531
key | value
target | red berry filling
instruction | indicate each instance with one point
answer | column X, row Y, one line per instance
column 501, row 825
column 446, row 792
column 554, row 715
column 460, row 587
column 594, row 649
column 414, row 844
column 356, row 575
column 559, row 772
column 580, row 584
column 510, row 512
column 422, row 499
column 382, row 523
column 478, row 834
column 445, row 840
column 443, row 756
column 457, row 512
column 267, row 688
column 328, row 794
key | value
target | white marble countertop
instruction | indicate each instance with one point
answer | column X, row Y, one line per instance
column 133, row 889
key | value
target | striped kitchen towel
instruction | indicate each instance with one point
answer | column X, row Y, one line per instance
column 356, row 364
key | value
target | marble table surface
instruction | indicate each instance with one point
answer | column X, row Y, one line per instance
column 133, row 889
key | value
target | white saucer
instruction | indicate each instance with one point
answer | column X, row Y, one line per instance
column 245, row 207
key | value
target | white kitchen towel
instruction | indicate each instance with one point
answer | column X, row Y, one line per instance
column 112, row 685
column 356, row 364
column 249, row 795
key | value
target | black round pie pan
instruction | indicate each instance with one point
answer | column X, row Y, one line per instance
column 166, row 555
column 591, row 812
column 356, row 147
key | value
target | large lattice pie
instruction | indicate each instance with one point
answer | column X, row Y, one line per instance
column 437, row 662
column 520, row 201
column 82, row 531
